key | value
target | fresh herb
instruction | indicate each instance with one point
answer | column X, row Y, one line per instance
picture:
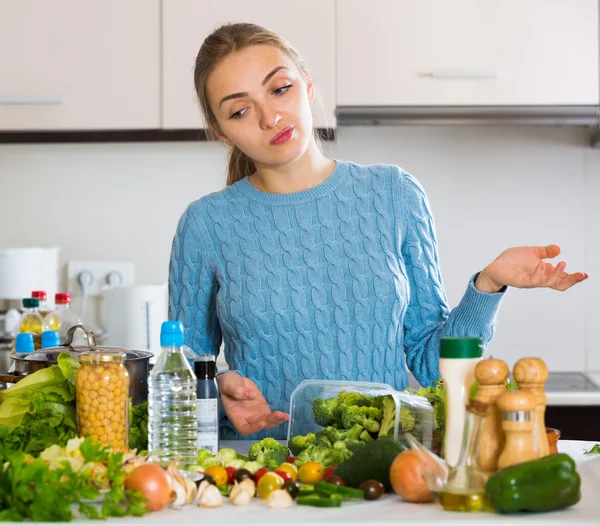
column 594, row 451
column 138, row 426
column 29, row 489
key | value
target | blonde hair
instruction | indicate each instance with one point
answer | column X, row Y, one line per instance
column 216, row 47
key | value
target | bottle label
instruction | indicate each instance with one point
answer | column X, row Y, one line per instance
column 207, row 411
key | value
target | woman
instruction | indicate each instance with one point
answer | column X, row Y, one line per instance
column 309, row 268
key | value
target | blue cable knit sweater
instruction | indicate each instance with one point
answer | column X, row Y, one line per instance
column 341, row 281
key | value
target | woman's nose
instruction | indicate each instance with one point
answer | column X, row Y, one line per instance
column 269, row 118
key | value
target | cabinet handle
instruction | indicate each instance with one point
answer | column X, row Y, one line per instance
column 458, row 74
column 30, row 101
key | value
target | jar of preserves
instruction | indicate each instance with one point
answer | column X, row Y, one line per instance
column 102, row 389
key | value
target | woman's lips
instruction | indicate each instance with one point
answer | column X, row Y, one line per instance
column 283, row 136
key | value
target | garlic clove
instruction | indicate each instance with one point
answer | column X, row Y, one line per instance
column 241, row 498
column 190, row 490
column 242, row 492
column 180, row 495
column 211, row 498
column 201, row 489
column 279, row 499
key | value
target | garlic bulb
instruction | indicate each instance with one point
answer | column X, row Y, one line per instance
column 279, row 499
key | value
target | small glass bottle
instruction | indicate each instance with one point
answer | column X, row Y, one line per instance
column 102, row 390
column 62, row 318
column 43, row 308
column 207, row 403
column 50, row 339
column 465, row 488
column 32, row 321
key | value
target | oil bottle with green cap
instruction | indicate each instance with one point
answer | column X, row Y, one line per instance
column 458, row 358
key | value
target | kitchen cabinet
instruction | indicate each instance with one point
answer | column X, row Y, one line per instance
column 72, row 65
column 467, row 52
column 307, row 25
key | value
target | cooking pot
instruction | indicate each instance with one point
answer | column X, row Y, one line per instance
column 136, row 362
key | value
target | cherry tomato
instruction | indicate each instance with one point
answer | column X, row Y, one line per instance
column 259, row 473
column 293, row 488
column 335, row 479
column 290, row 469
column 329, row 471
column 291, row 460
column 284, row 475
column 231, row 471
column 373, row 489
column 218, row 473
column 268, row 483
column 310, row 473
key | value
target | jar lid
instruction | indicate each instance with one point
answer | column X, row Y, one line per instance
column 453, row 347
column 102, row 357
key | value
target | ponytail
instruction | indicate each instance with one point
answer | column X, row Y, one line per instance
column 239, row 166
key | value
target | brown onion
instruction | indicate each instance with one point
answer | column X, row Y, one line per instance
column 152, row 482
column 406, row 477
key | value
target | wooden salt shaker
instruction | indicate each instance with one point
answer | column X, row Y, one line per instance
column 518, row 410
column 531, row 375
column 491, row 376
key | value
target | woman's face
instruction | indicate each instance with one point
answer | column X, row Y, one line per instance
column 262, row 105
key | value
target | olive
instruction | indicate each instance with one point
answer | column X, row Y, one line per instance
column 242, row 474
column 373, row 489
column 293, row 488
column 336, row 480
column 210, row 480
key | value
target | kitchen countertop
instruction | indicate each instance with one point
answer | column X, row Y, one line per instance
column 585, row 395
column 389, row 510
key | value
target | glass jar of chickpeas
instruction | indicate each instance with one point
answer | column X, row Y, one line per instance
column 102, row 389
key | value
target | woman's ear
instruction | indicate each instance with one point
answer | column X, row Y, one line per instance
column 310, row 87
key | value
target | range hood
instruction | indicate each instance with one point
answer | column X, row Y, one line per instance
column 472, row 115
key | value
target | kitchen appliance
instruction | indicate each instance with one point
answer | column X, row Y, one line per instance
column 136, row 362
column 23, row 270
column 133, row 315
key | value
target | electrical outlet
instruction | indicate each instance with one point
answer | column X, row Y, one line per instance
column 103, row 274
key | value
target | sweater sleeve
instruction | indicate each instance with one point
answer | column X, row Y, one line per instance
column 192, row 289
column 428, row 317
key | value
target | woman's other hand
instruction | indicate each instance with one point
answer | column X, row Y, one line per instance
column 525, row 268
column 245, row 405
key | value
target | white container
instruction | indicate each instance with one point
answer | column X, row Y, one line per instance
column 458, row 358
column 23, row 270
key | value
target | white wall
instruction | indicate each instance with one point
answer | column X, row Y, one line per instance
column 490, row 188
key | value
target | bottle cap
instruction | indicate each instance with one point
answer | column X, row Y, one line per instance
column 24, row 342
column 40, row 294
column 50, row 339
column 62, row 298
column 452, row 347
column 171, row 334
column 31, row 303
column 205, row 358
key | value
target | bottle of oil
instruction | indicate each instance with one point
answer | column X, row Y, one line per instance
column 32, row 321
column 43, row 308
column 62, row 317
column 465, row 487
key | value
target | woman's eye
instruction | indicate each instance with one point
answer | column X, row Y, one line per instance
column 238, row 114
column 282, row 90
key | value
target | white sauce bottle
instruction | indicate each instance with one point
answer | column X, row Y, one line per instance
column 458, row 357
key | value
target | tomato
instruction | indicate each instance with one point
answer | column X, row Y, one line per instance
column 259, row 473
column 268, row 483
column 231, row 471
column 329, row 471
column 284, row 475
column 290, row 469
column 218, row 473
column 335, row 480
column 291, row 460
column 310, row 473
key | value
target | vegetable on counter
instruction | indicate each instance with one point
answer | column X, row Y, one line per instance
column 407, row 477
column 268, row 452
column 545, row 484
column 595, row 450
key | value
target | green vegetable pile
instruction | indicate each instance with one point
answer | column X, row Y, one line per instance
column 349, row 421
column 265, row 453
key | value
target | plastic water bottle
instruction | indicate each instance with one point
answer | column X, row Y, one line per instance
column 172, row 421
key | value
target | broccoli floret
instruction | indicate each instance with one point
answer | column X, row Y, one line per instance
column 365, row 436
column 335, row 435
column 388, row 409
column 407, row 419
column 226, row 454
column 358, row 399
column 266, row 446
column 299, row 443
column 315, row 453
column 339, row 453
column 323, row 410
column 367, row 417
column 272, row 459
column 354, row 445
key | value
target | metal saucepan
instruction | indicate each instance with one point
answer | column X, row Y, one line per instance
column 137, row 362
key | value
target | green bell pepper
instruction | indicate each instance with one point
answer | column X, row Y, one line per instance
column 545, row 484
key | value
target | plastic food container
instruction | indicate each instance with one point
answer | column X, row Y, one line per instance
column 102, row 389
column 301, row 407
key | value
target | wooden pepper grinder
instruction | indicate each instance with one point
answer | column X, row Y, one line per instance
column 531, row 375
column 491, row 376
column 518, row 410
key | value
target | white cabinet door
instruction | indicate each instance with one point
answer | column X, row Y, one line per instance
column 467, row 52
column 79, row 65
column 307, row 25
